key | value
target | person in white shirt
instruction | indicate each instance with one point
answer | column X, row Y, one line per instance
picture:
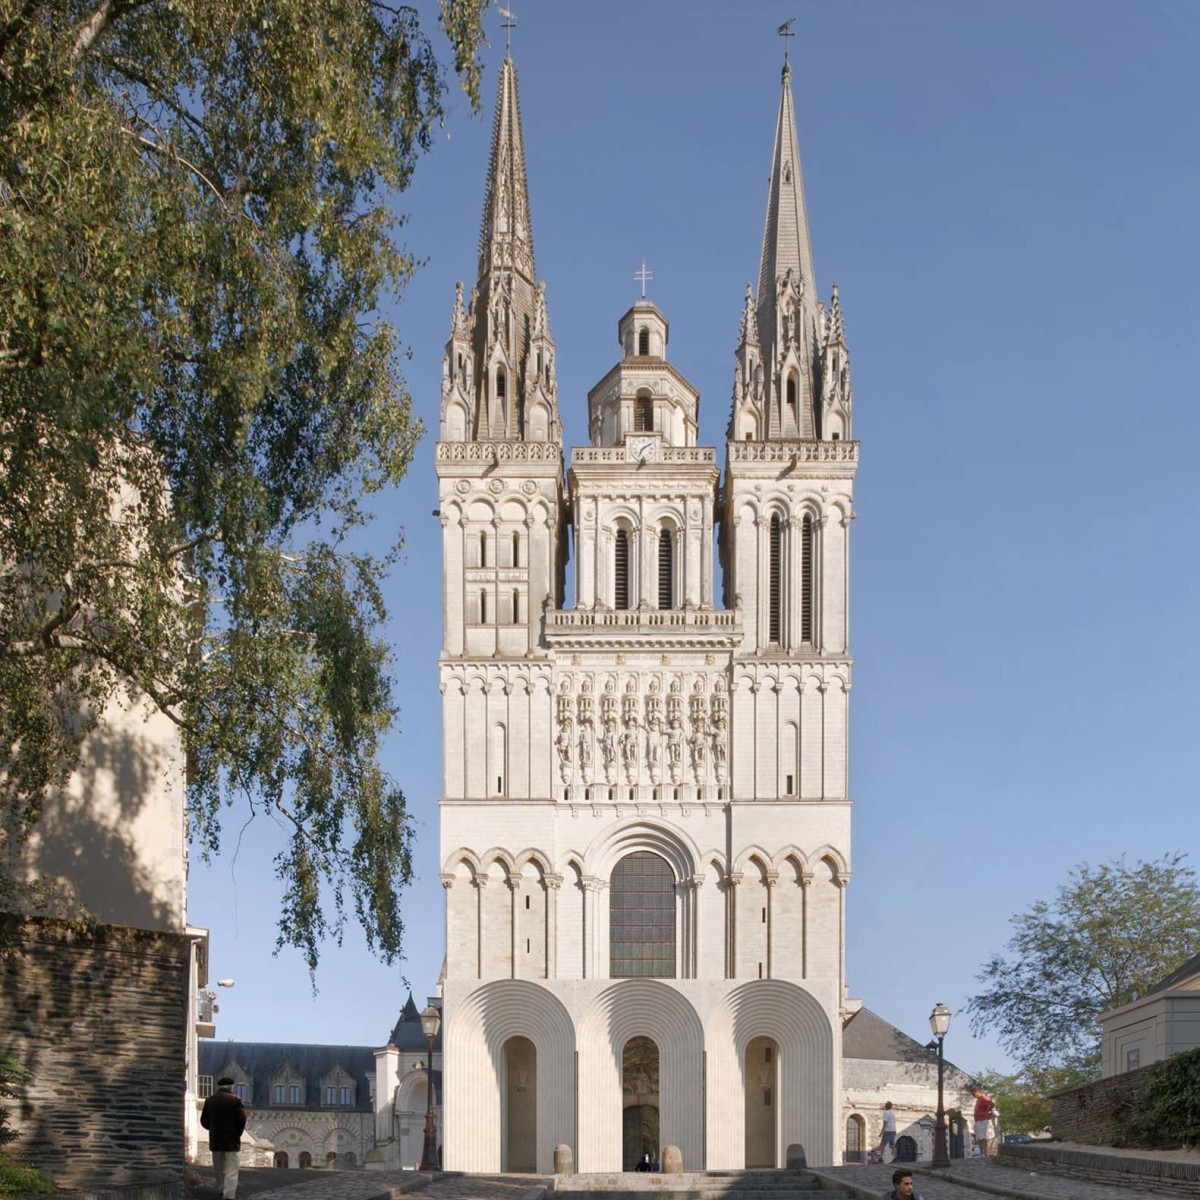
column 888, row 1137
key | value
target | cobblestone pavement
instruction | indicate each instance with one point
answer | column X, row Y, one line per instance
column 375, row 1185
column 973, row 1179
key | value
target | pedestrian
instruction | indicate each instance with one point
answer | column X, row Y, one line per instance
column 902, row 1187
column 985, row 1114
column 224, row 1116
column 644, row 1164
column 888, row 1137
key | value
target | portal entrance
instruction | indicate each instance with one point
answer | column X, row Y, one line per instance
column 520, row 1106
column 762, row 1061
column 639, row 1095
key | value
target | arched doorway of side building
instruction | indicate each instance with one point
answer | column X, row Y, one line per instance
column 520, row 1105
column 856, row 1139
column 639, row 1095
column 761, row 1075
column 281, row 1158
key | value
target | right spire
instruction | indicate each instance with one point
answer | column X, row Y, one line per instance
column 779, row 391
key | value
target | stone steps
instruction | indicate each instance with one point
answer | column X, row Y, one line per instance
column 690, row 1185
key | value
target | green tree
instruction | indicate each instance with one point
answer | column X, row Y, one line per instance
column 1023, row 1098
column 1109, row 935
column 196, row 391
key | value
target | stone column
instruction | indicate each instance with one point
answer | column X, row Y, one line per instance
column 805, row 881
column 772, row 880
column 480, row 884
column 514, row 923
column 553, row 884
column 731, row 882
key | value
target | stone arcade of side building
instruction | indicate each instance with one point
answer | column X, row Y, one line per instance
column 645, row 820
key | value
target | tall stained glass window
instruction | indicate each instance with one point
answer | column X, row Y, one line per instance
column 641, row 918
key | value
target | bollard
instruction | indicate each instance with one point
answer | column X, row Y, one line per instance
column 672, row 1161
column 796, row 1159
column 564, row 1163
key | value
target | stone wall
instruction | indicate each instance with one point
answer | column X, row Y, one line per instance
column 1093, row 1114
column 99, row 1015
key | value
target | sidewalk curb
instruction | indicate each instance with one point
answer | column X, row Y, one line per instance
column 415, row 1184
column 838, row 1184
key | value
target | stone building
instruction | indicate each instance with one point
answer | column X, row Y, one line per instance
column 645, row 820
column 332, row 1106
column 1157, row 1025
column 106, row 946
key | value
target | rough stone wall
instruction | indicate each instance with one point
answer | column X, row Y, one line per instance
column 99, row 1015
column 1092, row 1114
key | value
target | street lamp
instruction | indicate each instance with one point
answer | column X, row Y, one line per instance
column 939, row 1022
column 431, row 1022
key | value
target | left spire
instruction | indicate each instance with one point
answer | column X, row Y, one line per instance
column 498, row 378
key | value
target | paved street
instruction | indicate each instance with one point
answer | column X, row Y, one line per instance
column 263, row 1183
column 974, row 1179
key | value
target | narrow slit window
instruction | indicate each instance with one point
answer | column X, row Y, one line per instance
column 621, row 570
column 516, row 549
column 666, row 570
column 806, row 580
column 791, row 401
column 483, row 608
column 501, row 384
column 482, row 548
column 516, row 598
column 643, row 341
column 643, row 414
column 774, row 582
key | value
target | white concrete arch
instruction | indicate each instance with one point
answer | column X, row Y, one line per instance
column 808, row 1074
column 638, row 833
column 749, row 855
column 462, row 855
column 497, row 855
column 536, row 858
column 639, row 1008
column 476, row 1031
column 835, row 858
column 412, row 1093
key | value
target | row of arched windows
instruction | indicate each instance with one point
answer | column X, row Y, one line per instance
column 515, row 552
column 776, row 593
column 622, row 579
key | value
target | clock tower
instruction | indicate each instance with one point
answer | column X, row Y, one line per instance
column 643, row 492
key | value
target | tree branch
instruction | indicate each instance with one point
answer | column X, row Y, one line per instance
column 106, row 15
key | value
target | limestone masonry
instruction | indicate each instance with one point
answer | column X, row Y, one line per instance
column 645, row 819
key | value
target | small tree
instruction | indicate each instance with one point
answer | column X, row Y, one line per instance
column 12, row 1075
column 1109, row 935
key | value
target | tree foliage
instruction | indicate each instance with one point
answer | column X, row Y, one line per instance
column 1023, row 1098
column 1109, row 935
column 196, row 390
column 1166, row 1111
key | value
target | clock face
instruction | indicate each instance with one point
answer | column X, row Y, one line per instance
column 643, row 449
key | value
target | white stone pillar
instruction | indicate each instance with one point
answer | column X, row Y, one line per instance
column 553, row 885
column 772, row 879
column 514, row 924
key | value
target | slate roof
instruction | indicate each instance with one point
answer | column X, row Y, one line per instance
column 868, row 1035
column 1176, row 977
column 262, row 1060
column 406, row 1033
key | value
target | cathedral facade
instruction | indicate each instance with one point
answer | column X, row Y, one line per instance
column 645, row 818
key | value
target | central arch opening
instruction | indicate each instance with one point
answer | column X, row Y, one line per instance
column 520, row 1105
column 639, row 1095
column 762, row 1101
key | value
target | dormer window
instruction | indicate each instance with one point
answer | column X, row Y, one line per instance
column 643, row 341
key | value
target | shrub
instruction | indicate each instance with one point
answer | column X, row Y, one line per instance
column 16, row 1180
column 12, row 1075
column 1166, row 1111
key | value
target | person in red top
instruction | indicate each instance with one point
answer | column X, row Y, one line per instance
column 985, row 1114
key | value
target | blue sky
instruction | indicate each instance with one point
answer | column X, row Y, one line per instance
column 1007, row 196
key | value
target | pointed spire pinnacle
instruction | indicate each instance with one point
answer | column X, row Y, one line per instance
column 837, row 328
column 786, row 245
column 749, row 332
column 458, row 319
column 506, row 236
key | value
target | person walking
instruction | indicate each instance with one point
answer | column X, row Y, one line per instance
column 224, row 1116
column 902, row 1187
column 888, row 1136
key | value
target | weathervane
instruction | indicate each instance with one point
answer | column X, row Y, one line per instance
column 510, row 23
column 785, row 32
column 643, row 277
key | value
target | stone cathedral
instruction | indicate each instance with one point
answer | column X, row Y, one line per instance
column 645, row 819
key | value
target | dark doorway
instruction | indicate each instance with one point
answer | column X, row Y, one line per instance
column 639, row 1095
column 906, row 1149
column 639, row 1135
column 281, row 1158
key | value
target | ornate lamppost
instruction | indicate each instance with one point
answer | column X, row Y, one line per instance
column 431, row 1022
column 939, row 1022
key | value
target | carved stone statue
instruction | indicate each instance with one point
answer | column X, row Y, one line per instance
column 675, row 748
column 629, row 752
column 720, row 747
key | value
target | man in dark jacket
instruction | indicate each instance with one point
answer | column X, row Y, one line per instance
column 224, row 1116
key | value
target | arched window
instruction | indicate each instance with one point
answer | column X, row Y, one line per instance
column 483, row 548
column 621, row 570
column 305, row 1160
column 643, row 341
column 641, row 917
column 643, row 414
column 501, row 383
column 666, row 569
column 775, row 582
column 483, row 608
column 516, row 549
column 791, row 400
column 516, row 609
column 806, row 580
column 856, row 1139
